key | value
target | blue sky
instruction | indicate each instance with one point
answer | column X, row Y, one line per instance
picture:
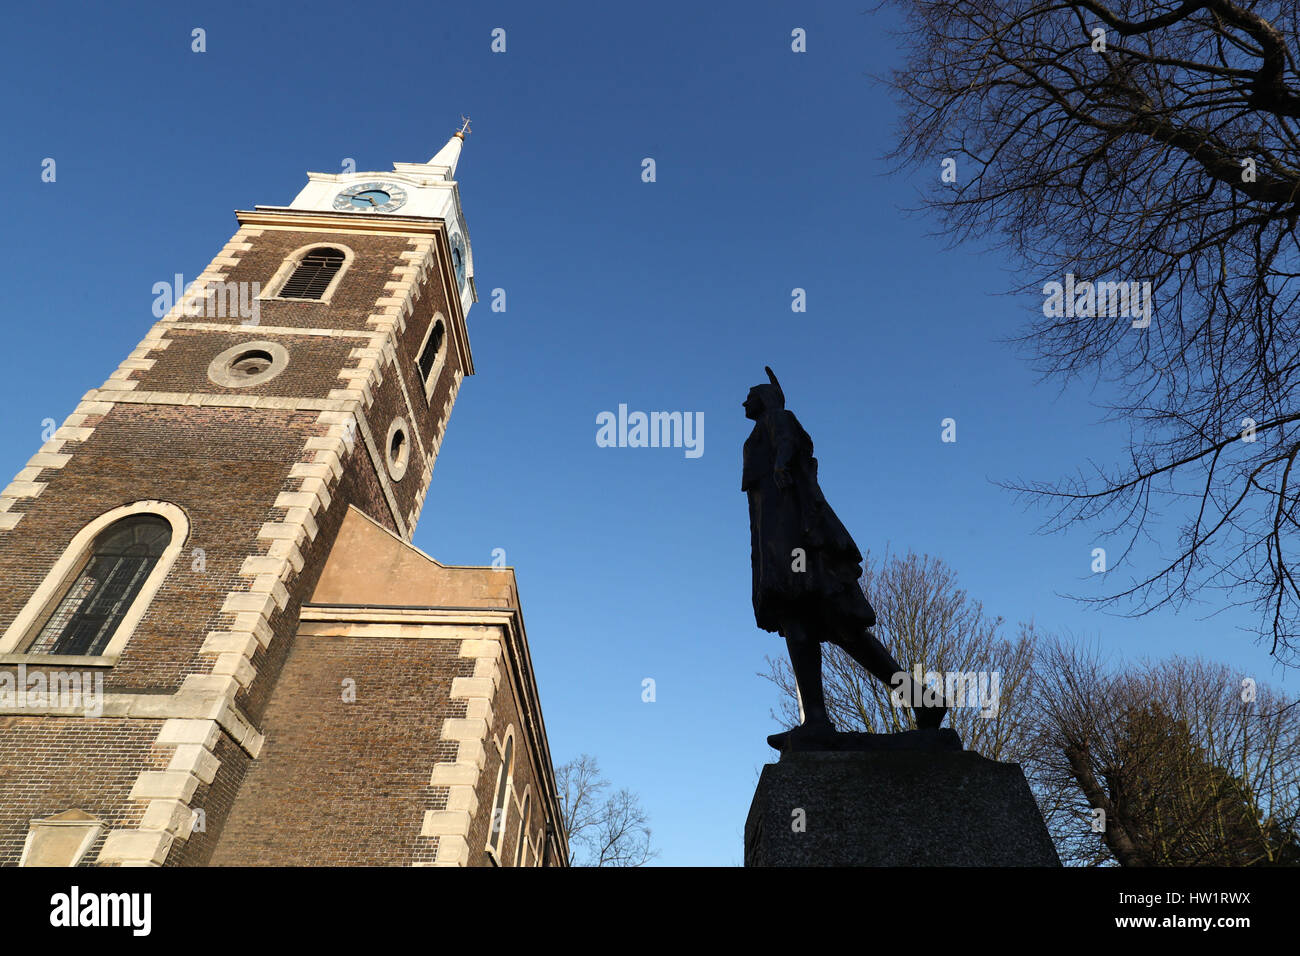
column 633, row 563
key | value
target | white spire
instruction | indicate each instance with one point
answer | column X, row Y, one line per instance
column 449, row 155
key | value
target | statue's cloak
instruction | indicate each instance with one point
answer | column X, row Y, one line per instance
column 782, row 520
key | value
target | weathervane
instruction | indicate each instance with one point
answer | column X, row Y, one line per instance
column 464, row 126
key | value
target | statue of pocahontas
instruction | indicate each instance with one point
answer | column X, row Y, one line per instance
column 806, row 566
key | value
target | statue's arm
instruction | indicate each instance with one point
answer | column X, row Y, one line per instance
column 783, row 440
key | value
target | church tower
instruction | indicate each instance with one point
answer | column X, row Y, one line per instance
column 217, row 644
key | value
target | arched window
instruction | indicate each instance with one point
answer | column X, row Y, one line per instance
column 501, row 805
column 521, row 845
column 93, row 606
column 432, row 346
column 313, row 274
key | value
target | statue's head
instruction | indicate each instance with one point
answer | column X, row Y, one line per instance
column 764, row 398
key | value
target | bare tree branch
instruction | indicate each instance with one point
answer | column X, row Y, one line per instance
column 601, row 831
column 1163, row 151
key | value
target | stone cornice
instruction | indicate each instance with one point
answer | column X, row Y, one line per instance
column 285, row 218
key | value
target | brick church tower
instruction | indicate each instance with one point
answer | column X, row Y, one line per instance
column 217, row 644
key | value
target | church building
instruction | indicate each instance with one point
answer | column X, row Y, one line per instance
column 218, row 645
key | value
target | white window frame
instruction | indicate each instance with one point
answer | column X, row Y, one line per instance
column 397, row 466
column 25, row 627
column 497, row 850
column 271, row 291
column 522, row 845
column 435, row 373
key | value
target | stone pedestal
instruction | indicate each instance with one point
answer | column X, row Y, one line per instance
column 894, row 808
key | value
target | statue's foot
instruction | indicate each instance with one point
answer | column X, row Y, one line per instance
column 806, row 736
column 929, row 718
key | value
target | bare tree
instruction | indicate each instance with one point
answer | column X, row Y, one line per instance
column 926, row 620
column 601, row 830
column 1128, row 142
column 1164, row 764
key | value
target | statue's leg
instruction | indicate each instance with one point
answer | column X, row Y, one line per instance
column 863, row 647
column 806, row 662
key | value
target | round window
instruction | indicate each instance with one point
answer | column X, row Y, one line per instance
column 249, row 363
column 252, row 362
column 399, row 449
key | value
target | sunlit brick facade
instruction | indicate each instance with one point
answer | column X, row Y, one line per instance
column 220, row 533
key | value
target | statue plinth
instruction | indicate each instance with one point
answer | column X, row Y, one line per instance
column 929, row 740
column 894, row 807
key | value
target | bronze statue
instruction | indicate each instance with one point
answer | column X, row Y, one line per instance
column 806, row 567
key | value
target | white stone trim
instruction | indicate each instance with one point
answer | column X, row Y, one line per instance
column 439, row 431
column 461, row 776
column 213, row 400
column 439, row 362
column 181, row 705
column 90, row 826
column 272, row 330
column 497, row 847
column 135, row 847
column 50, row 456
column 377, row 457
column 169, row 816
column 120, row 380
column 273, row 219
column 390, row 354
column 229, row 256
column 219, row 368
column 393, row 310
column 522, row 841
column 397, row 466
column 415, row 622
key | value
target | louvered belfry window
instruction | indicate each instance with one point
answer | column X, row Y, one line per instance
column 313, row 275
column 90, row 610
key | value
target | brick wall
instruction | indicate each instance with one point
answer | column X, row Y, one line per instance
column 347, row 783
column 52, row 764
column 314, row 361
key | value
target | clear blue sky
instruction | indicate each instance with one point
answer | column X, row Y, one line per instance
column 632, row 563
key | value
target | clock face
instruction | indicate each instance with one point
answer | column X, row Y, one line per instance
column 370, row 197
column 458, row 257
